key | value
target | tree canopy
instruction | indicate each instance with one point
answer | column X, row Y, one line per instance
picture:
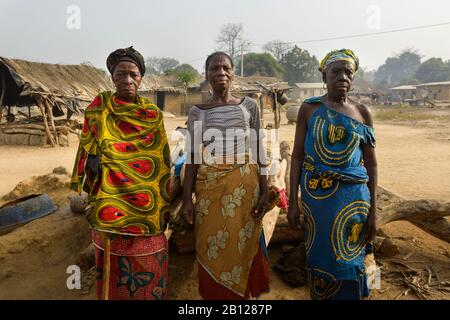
column 433, row 70
column 300, row 66
column 155, row 65
column 398, row 69
column 261, row 64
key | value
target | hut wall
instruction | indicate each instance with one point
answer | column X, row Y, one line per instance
column 174, row 102
column 303, row 93
column 150, row 95
column 439, row 92
column 22, row 139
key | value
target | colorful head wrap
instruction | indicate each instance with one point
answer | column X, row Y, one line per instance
column 336, row 55
column 127, row 54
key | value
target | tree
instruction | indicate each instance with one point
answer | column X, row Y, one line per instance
column 433, row 70
column 409, row 80
column 398, row 68
column 262, row 64
column 231, row 40
column 277, row 48
column 157, row 65
column 187, row 77
column 182, row 68
column 300, row 66
column 151, row 65
column 166, row 64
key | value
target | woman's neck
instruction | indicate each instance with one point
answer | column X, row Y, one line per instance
column 127, row 99
column 337, row 100
column 224, row 97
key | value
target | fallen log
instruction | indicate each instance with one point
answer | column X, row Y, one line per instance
column 440, row 228
column 428, row 215
column 413, row 210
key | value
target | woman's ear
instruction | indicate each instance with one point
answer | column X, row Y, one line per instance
column 324, row 77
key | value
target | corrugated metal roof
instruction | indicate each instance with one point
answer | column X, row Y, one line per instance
column 442, row 83
column 405, row 87
column 309, row 85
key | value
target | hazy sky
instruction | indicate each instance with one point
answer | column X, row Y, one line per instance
column 186, row 30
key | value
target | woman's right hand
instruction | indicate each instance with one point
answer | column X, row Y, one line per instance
column 188, row 211
column 293, row 216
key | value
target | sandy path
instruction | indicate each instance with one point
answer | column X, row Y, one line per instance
column 414, row 162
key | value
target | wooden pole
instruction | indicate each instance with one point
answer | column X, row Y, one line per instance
column 52, row 122
column 2, row 97
column 275, row 111
column 261, row 106
column 242, row 60
column 47, row 129
column 106, row 265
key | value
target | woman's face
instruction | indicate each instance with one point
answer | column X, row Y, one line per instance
column 220, row 73
column 339, row 77
column 127, row 79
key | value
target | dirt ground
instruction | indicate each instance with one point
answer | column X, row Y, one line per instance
column 413, row 162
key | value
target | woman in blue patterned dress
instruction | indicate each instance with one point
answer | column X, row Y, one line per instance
column 334, row 164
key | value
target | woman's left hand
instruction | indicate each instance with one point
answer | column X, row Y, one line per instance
column 260, row 209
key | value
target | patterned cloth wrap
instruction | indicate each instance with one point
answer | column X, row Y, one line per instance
column 339, row 55
column 129, row 195
column 335, row 199
column 138, row 267
column 227, row 236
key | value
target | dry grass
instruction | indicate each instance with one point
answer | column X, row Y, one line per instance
column 408, row 115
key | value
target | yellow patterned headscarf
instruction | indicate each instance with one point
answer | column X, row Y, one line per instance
column 336, row 55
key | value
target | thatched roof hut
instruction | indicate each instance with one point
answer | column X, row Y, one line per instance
column 54, row 87
column 24, row 83
column 49, row 87
column 153, row 83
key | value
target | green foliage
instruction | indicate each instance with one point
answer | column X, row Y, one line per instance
column 262, row 64
column 181, row 68
column 155, row 65
column 300, row 66
column 433, row 70
column 187, row 77
column 398, row 68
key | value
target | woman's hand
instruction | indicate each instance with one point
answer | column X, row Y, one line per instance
column 371, row 225
column 263, row 202
column 188, row 211
column 293, row 216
